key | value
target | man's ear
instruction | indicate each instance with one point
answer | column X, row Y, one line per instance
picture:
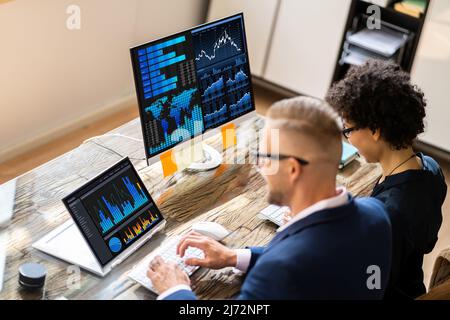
column 295, row 169
column 376, row 135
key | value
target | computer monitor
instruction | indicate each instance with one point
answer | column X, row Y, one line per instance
column 192, row 82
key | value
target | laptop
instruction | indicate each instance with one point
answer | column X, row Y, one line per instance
column 112, row 216
column 349, row 153
column 7, row 199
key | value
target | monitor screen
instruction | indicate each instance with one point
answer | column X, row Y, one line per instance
column 113, row 210
column 193, row 81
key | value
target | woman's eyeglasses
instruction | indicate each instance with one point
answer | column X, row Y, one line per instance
column 346, row 132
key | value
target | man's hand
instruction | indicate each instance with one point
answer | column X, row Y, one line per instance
column 217, row 256
column 286, row 218
column 166, row 275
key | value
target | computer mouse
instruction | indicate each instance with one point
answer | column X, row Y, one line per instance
column 211, row 229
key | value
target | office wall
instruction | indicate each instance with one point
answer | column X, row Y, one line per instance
column 431, row 71
column 53, row 79
column 259, row 17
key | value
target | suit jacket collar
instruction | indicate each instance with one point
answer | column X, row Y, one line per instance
column 319, row 217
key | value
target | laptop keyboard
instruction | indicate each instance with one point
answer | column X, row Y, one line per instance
column 274, row 213
column 168, row 253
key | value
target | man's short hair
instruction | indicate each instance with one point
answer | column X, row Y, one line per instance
column 312, row 118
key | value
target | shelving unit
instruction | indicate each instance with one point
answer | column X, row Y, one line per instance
column 392, row 21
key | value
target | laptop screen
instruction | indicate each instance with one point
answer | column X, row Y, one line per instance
column 113, row 210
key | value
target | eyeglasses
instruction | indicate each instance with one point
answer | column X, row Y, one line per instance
column 259, row 156
column 346, row 132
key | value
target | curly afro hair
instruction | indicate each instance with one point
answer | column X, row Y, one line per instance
column 379, row 95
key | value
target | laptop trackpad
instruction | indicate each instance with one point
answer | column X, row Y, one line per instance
column 67, row 243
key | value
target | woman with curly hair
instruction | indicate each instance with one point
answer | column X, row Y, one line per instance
column 383, row 113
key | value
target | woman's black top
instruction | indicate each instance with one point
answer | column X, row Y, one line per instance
column 413, row 200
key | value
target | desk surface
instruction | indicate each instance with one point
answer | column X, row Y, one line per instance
column 232, row 195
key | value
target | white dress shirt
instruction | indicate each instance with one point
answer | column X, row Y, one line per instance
column 244, row 255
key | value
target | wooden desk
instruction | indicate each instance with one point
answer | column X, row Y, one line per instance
column 231, row 195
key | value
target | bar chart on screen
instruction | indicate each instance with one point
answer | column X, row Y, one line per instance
column 116, row 202
column 138, row 226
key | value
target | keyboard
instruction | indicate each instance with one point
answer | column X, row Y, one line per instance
column 274, row 213
column 167, row 251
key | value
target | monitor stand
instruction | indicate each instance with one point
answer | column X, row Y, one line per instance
column 212, row 157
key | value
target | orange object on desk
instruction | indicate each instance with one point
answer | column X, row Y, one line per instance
column 229, row 137
column 169, row 166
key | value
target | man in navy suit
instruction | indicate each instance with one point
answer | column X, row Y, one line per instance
column 332, row 245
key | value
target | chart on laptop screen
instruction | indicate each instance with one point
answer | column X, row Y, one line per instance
column 114, row 210
column 114, row 203
column 192, row 81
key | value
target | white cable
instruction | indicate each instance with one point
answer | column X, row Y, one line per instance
column 112, row 135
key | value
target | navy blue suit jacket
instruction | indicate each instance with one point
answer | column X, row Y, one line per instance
column 326, row 255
